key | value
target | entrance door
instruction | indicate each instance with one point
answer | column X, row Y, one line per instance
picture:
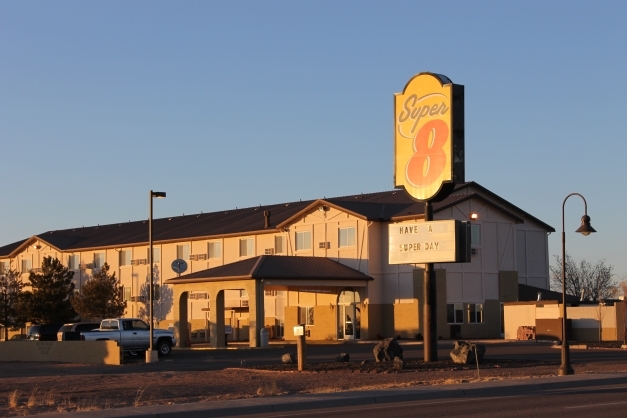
column 349, row 316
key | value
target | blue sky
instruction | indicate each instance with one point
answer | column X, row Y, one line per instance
column 236, row 104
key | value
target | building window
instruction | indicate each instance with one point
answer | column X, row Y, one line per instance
column 4, row 266
column 73, row 262
column 99, row 260
column 243, row 293
column 475, row 234
column 246, row 247
column 214, row 249
column 347, row 237
column 125, row 258
column 475, row 313
column 156, row 254
column 127, row 294
column 27, row 265
column 182, row 252
column 306, row 315
column 279, row 248
column 455, row 313
column 303, row 240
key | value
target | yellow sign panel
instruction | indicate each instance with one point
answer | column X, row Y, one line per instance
column 423, row 136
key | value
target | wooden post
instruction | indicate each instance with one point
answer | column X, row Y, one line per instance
column 301, row 349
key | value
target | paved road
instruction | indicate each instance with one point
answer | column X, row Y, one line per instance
column 192, row 360
column 604, row 401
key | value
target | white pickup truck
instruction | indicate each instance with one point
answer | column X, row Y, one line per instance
column 133, row 335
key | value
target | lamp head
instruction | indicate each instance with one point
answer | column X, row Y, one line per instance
column 474, row 216
column 585, row 228
column 158, row 195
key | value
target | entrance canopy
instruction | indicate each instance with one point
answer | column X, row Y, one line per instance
column 255, row 275
column 276, row 271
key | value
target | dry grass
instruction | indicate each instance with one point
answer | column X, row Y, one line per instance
column 138, row 396
column 14, row 398
column 270, row 390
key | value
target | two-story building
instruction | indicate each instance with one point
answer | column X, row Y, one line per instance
column 321, row 262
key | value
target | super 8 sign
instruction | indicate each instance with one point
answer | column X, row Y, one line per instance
column 429, row 137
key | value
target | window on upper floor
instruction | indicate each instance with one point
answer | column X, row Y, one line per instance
column 475, row 234
column 99, row 260
column 279, row 245
column 455, row 313
column 347, row 237
column 73, row 262
column 4, row 266
column 27, row 265
column 156, row 254
column 475, row 313
column 125, row 258
column 303, row 240
column 214, row 249
column 246, row 247
column 182, row 252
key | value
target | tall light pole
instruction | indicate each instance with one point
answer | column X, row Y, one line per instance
column 149, row 353
column 585, row 229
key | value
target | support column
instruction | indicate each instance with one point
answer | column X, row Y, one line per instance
column 256, row 313
column 181, row 331
column 216, row 319
column 430, row 314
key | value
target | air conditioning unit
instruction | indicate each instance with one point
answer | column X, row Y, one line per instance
column 474, row 251
column 324, row 245
column 138, row 298
column 82, row 266
column 134, row 262
column 142, row 261
column 193, row 257
column 269, row 251
column 244, row 303
column 202, row 256
column 89, row 266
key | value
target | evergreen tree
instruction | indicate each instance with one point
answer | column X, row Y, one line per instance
column 101, row 297
column 48, row 301
column 11, row 286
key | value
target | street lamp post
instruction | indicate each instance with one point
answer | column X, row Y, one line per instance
column 585, row 229
column 150, row 357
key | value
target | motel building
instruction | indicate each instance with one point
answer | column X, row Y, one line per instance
column 323, row 263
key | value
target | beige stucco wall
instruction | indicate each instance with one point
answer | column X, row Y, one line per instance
column 518, row 315
column 88, row 352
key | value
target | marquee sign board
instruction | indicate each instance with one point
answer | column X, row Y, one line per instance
column 429, row 137
column 445, row 241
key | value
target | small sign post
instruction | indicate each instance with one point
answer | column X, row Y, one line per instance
column 301, row 346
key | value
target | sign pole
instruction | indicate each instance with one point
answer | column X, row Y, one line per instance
column 430, row 313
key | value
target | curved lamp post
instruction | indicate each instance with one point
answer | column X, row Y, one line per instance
column 149, row 353
column 585, row 229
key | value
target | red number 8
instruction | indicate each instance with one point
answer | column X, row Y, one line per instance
column 428, row 163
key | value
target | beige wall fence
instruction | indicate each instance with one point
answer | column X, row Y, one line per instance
column 87, row 352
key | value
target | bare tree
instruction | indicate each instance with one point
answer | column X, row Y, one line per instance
column 589, row 281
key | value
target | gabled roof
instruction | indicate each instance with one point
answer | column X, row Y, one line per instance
column 391, row 205
column 275, row 267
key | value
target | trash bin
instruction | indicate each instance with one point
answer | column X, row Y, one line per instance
column 263, row 337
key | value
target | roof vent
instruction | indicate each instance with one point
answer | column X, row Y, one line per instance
column 266, row 215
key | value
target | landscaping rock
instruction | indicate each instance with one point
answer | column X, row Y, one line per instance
column 398, row 363
column 464, row 352
column 343, row 358
column 387, row 349
column 287, row 358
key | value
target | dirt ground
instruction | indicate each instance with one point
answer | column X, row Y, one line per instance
column 73, row 391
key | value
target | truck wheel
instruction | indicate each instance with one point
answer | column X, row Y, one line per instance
column 164, row 348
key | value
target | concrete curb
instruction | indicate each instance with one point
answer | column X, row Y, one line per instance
column 283, row 404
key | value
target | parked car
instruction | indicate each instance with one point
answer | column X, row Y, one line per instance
column 18, row 337
column 133, row 335
column 72, row 332
column 45, row 332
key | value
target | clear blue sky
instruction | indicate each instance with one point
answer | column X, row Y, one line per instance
column 236, row 104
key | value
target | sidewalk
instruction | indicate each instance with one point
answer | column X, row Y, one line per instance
column 282, row 404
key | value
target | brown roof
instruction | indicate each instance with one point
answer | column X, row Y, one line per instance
column 276, row 267
column 381, row 206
